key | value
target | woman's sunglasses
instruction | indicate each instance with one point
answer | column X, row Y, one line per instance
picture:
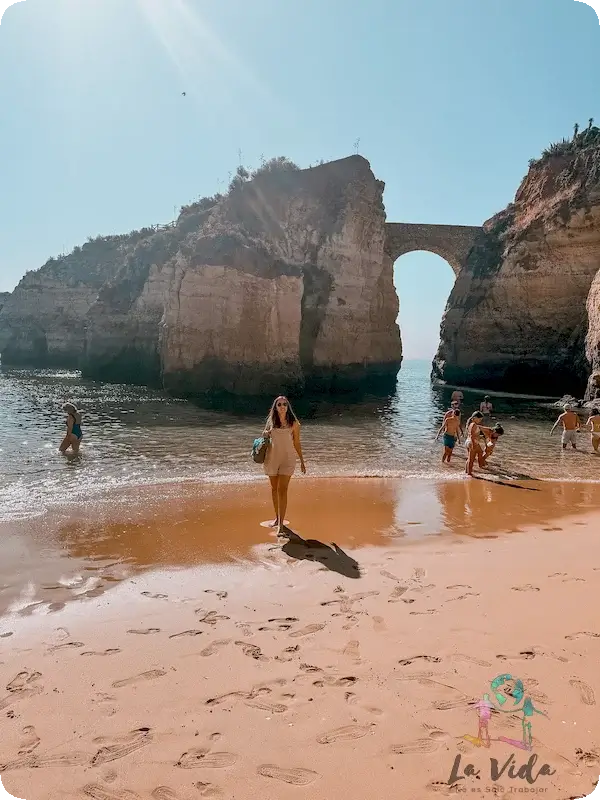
column 281, row 405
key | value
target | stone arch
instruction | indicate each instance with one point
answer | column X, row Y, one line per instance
column 452, row 242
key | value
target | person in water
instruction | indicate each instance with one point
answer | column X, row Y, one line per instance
column 571, row 425
column 451, row 430
column 283, row 431
column 457, row 396
column 486, row 406
column 491, row 435
column 593, row 424
column 454, row 410
column 74, row 433
column 474, row 450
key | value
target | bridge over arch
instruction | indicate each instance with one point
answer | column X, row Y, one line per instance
column 451, row 242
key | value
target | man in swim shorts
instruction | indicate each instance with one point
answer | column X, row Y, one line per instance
column 451, row 429
column 571, row 424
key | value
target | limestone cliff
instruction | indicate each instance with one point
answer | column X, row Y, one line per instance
column 3, row 298
column 282, row 285
column 516, row 318
column 593, row 339
column 42, row 323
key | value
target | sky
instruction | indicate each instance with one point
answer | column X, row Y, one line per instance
column 447, row 100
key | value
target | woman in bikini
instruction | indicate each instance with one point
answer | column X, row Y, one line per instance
column 74, row 433
column 283, row 431
column 593, row 424
column 474, row 450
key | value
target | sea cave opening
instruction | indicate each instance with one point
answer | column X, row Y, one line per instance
column 423, row 282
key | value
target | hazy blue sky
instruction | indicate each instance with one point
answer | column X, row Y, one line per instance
column 449, row 101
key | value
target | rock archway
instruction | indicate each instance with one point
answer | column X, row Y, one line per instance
column 451, row 242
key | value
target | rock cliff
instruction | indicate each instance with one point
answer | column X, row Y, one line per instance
column 282, row 285
column 516, row 318
column 42, row 323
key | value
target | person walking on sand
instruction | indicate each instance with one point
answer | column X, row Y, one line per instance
column 571, row 425
column 451, row 430
column 474, row 450
column 283, row 430
column 74, row 433
column 486, row 406
column 593, row 424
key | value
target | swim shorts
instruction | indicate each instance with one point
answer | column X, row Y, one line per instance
column 569, row 437
column 449, row 440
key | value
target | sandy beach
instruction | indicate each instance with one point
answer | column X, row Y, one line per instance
column 311, row 670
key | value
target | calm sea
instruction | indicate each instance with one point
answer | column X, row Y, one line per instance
column 135, row 436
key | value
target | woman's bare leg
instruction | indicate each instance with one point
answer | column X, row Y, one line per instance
column 274, row 495
column 470, row 460
column 282, row 492
column 65, row 444
column 75, row 444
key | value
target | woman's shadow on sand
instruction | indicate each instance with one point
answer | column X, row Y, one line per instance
column 332, row 558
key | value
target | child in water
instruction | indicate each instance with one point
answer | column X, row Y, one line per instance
column 74, row 433
column 451, row 430
column 593, row 424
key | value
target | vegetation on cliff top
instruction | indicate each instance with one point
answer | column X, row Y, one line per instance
column 584, row 143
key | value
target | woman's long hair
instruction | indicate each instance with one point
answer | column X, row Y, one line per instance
column 69, row 408
column 273, row 420
column 476, row 417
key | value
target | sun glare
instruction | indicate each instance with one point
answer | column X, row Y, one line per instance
column 194, row 48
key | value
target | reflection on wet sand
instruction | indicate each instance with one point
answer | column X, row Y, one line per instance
column 82, row 555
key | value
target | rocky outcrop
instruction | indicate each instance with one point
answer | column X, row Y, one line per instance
column 3, row 298
column 516, row 318
column 593, row 339
column 43, row 322
column 282, row 285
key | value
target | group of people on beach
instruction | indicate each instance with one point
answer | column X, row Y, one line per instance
column 452, row 430
column 282, row 435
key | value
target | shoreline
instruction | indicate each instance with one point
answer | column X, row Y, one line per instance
column 279, row 671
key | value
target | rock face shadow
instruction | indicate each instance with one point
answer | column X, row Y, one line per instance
column 332, row 557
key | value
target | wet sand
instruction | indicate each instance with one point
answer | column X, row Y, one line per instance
column 182, row 652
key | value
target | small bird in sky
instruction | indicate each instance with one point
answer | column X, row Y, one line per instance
column 183, row 94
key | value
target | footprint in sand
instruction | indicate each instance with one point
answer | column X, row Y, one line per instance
column 220, row 594
column 463, row 596
column 413, row 748
column 522, row 655
column 310, row 668
column 97, row 792
column 397, row 593
column 352, row 650
column 151, row 674
column 144, row 631
column 6, row 635
column 208, row 790
column 586, row 693
column 346, row 733
column 251, row 650
column 528, row 587
column 459, row 586
column 110, row 652
column 449, row 705
column 186, row 633
column 313, row 628
column 418, row 573
column 389, row 575
column 202, row 757
column 427, row 611
column 591, row 758
column 213, row 647
column 66, row 646
column 155, row 596
column 273, row 708
column 35, row 761
column 331, row 680
column 583, row 634
column 23, row 681
column 379, row 624
column 297, row 776
column 164, row 793
column 120, row 746
column 210, row 617
column 480, row 662
column 30, row 740
column 406, row 662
